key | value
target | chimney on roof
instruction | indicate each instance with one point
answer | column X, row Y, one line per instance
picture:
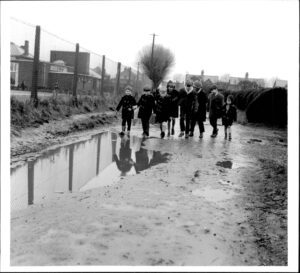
column 26, row 48
column 202, row 72
column 247, row 76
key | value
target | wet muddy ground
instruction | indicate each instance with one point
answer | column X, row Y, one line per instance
column 111, row 201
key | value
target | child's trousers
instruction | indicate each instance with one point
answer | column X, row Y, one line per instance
column 128, row 121
column 213, row 122
column 200, row 124
column 145, row 125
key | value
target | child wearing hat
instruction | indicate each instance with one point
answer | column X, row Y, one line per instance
column 173, row 109
column 128, row 104
column 146, row 105
column 184, row 108
column 216, row 102
column 228, row 116
column 200, row 115
column 163, row 101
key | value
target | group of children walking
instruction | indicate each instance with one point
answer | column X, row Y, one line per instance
column 190, row 102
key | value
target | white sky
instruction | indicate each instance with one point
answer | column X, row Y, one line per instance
column 220, row 37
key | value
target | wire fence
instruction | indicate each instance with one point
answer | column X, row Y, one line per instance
column 46, row 63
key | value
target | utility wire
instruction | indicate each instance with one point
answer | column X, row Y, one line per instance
column 60, row 38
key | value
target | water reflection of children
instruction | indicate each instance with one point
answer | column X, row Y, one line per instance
column 124, row 162
column 142, row 160
column 146, row 159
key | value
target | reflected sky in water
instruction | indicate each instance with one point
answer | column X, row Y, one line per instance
column 84, row 165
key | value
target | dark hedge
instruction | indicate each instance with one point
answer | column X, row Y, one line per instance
column 268, row 105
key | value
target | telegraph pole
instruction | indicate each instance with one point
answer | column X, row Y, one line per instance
column 152, row 51
column 35, row 68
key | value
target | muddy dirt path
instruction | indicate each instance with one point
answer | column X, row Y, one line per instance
column 214, row 202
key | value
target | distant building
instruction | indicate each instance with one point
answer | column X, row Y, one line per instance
column 203, row 78
column 20, row 52
column 231, row 83
column 236, row 80
column 69, row 59
column 280, row 83
column 60, row 68
column 21, row 63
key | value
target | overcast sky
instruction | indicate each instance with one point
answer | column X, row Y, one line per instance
column 220, row 37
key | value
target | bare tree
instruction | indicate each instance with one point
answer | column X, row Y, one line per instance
column 158, row 67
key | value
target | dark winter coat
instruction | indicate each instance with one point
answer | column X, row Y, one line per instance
column 188, row 102
column 191, row 103
column 182, row 98
column 127, row 102
column 162, row 108
column 216, row 103
column 202, row 103
column 147, row 105
column 228, row 115
column 173, row 109
column 155, row 93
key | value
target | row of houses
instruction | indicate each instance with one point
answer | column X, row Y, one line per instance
column 60, row 69
column 234, row 83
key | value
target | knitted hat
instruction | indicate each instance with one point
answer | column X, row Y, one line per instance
column 197, row 84
column 170, row 83
column 213, row 87
column 147, row 88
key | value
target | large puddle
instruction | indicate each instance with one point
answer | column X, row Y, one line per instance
column 99, row 161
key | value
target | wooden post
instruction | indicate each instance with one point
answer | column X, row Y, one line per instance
column 35, row 68
column 102, row 76
column 117, row 80
column 75, row 73
column 98, row 155
column 71, row 160
column 30, row 182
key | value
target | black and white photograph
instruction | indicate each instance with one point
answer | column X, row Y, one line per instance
column 150, row 136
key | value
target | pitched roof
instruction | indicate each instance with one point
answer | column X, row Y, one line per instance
column 17, row 51
column 94, row 74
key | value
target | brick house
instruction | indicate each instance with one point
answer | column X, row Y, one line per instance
column 60, row 69
column 21, row 63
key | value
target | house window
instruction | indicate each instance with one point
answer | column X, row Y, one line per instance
column 14, row 73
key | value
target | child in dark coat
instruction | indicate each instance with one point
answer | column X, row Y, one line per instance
column 186, row 101
column 128, row 103
column 228, row 116
column 215, row 103
column 163, row 102
column 200, row 115
column 173, row 109
column 146, row 105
